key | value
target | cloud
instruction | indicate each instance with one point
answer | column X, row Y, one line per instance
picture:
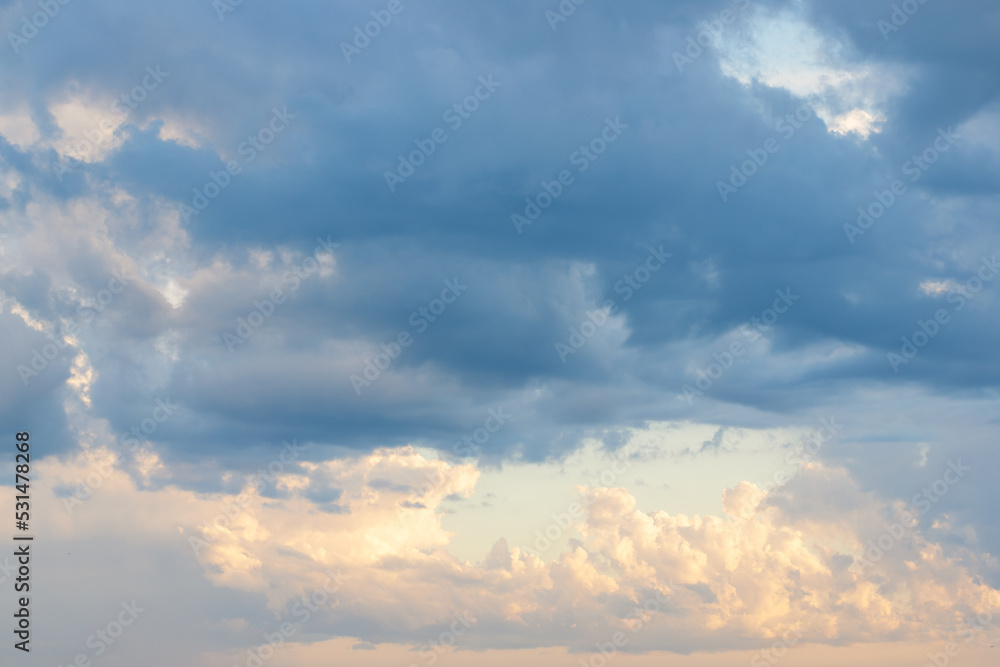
column 323, row 178
column 774, row 563
column 88, row 192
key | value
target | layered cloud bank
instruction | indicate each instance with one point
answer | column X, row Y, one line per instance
column 261, row 243
column 360, row 542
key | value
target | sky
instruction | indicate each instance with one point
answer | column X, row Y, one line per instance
column 553, row 332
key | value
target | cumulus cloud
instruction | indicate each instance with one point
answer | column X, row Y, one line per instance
column 772, row 564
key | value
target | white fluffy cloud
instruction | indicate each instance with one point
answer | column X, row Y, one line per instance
column 773, row 564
